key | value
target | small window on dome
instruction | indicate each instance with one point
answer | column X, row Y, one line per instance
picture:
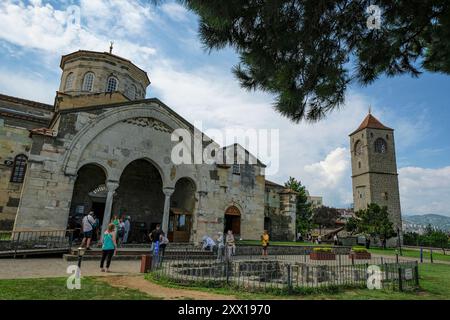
column 69, row 81
column 88, row 82
column 112, row 84
column 132, row 92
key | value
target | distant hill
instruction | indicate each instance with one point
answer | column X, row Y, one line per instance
column 436, row 220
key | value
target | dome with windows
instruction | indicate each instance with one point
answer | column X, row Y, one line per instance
column 96, row 73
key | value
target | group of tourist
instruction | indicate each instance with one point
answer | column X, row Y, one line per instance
column 91, row 229
column 228, row 242
column 220, row 243
column 115, row 234
column 118, row 231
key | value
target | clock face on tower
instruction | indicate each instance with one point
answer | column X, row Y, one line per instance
column 380, row 146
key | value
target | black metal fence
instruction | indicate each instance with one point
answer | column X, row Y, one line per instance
column 290, row 273
column 13, row 243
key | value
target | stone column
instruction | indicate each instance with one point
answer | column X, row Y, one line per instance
column 198, row 213
column 165, row 223
column 111, row 186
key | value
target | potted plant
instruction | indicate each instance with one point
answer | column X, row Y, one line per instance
column 322, row 253
column 360, row 253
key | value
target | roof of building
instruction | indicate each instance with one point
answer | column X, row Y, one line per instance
column 35, row 104
column 371, row 122
column 27, row 110
column 273, row 184
column 258, row 162
column 66, row 57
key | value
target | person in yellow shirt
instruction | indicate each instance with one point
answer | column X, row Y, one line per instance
column 265, row 242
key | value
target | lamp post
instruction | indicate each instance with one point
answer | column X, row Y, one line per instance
column 81, row 252
column 399, row 241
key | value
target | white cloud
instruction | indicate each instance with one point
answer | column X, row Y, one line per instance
column 425, row 190
column 28, row 86
column 41, row 26
column 331, row 176
column 175, row 11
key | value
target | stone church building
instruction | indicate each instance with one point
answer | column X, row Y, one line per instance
column 104, row 147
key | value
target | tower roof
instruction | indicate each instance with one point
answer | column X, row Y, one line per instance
column 371, row 122
column 105, row 55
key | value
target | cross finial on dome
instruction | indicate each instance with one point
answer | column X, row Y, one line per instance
column 111, row 47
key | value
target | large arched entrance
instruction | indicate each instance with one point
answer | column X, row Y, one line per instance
column 87, row 195
column 233, row 220
column 182, row 206
column 140, row 197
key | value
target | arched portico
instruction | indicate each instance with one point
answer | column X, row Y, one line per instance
column 133, row 144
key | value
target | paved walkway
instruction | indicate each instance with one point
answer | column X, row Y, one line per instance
column 57, row 267
column 155, row 290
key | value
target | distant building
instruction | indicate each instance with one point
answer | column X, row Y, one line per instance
column 346, row 214
column 315, row 201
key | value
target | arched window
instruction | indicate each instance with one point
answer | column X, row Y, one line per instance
column 358, row 148
column 380, row 146
column 132, row 92
column 88, row 82
column 111, row 85
column 19, row 168
column 69, row 81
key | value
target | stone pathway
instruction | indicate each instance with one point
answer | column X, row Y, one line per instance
column 157, row 291
column 57, row 267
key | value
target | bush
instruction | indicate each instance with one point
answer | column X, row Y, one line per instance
column 322, row 249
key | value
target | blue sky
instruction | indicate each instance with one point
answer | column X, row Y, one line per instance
column 198, row 85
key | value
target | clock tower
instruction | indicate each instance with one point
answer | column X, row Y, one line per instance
column 374, row 168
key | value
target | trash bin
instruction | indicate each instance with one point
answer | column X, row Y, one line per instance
column 146, row 263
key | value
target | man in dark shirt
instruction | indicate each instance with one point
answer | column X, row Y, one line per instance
column 154, row 235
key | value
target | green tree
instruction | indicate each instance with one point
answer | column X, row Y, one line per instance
column 373, row 221
column 325, row 217
column 303, row 208
column 435, row 238
column 307, row 52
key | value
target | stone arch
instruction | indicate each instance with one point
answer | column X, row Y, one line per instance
column 99, row 163
column 105, row 120
column 90, row 178
column 140, row 196
column 232, row 219
column 119, row 171
column 182, row 210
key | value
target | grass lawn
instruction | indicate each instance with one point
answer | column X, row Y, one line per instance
column 5, row 236
column 55, row 289
column 279, row 243
column 437, row 255
column 413, row 253
column 434, row 282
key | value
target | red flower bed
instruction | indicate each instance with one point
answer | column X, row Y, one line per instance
column 360, row 255
column 322, row 256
